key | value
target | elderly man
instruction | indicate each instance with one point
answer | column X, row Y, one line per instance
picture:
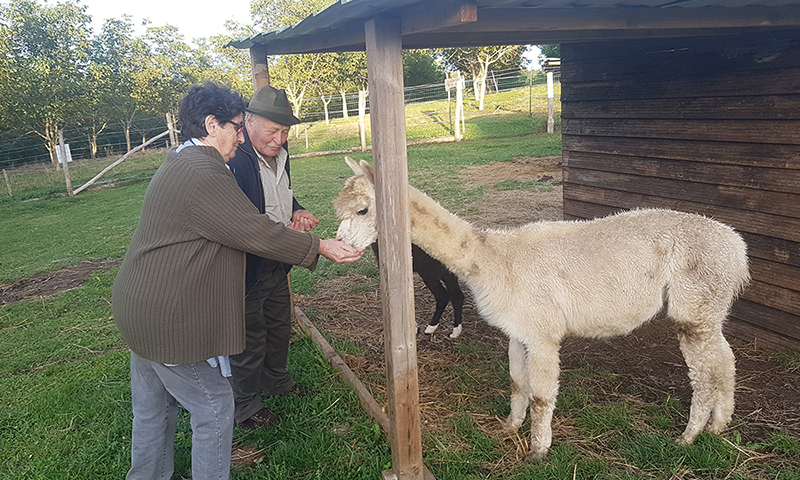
column 261, row 167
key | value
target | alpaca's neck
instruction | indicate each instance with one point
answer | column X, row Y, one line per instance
column 442, row 235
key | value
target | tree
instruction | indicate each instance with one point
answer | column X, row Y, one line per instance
column 295, row 73
column 47, row 67
column 477, row 60
column 116, row 58
column 421, row 68
column 550, row 51
column 227, row 65
column 275, row 14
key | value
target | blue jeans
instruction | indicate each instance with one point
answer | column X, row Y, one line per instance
column 156, row 390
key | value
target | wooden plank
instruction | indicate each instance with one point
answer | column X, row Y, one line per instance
column 593, row 18
column 727, row 153
column 779, row 298
column 743, row 221
column 680, row 58
column 785, row 183
column 385, row 71
column 750, row 199
column 692, row 104
column 428, row 16
column 759, row 337
column 774, row 273
column 768, row 318
column 369, row 404
column 752, row 131
column 772, row 249
column 779, row 82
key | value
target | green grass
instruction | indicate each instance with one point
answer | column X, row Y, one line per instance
column 64, row 381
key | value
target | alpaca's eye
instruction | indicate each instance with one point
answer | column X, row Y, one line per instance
column 363, row 211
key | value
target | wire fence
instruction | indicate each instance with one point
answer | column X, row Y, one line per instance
column 430, row 113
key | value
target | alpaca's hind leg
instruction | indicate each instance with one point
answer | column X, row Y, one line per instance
column 712, row 373
column 534, row 382
column 543, row 370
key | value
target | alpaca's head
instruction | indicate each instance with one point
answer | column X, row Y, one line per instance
column 355, row 206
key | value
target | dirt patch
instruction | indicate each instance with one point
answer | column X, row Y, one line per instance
column 51, row 284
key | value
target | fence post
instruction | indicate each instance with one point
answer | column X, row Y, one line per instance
column 550, row 103
column 362, row 112
column 65, row 163
column 459, row 107
column 8, row 183
column 173, row 138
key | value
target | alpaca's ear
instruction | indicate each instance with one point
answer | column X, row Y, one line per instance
column 353, row 166
column 369, row 171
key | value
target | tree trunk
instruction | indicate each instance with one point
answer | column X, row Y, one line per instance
column 325, row 107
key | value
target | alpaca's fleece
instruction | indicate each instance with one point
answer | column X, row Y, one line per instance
column 544, row 281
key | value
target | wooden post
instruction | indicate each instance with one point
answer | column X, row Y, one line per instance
column 8, row 183
column 65, row 164
column 362, row 113
column 173, row 136
column 550, row 103
column 387, row 118
column 260, row 66
column 459, row 107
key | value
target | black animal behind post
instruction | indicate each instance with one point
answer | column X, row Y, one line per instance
column 442, row 283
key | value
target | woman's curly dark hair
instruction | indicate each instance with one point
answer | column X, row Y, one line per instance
column 202, row 101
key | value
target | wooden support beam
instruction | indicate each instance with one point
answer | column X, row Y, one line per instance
column 387, row 116
column 260, row 66
column 428, row 16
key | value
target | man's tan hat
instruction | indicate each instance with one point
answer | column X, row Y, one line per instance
column 271, row 103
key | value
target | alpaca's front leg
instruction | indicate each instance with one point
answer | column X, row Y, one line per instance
column 543, row 370
column 520, row 391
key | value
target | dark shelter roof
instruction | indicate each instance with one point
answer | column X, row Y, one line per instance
column 453, row 23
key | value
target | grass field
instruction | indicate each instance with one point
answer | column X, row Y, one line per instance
column 64, row 381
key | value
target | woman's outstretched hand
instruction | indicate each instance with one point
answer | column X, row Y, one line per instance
column 338, row 251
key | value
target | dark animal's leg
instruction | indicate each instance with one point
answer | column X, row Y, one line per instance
column 457, row 297
column 440, row 294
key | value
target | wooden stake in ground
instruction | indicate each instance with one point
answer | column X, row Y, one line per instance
column 64, row 162
column 362, row 112
column 8, row 183
column 550, row 103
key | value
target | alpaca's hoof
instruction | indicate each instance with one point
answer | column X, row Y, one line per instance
column 512, row 423
column 536, row 455
column 431, row 329
column 686, row 439
column 456, row 332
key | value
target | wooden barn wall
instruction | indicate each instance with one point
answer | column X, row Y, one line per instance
column 706, row 125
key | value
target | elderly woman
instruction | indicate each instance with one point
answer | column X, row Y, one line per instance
column 178, row 299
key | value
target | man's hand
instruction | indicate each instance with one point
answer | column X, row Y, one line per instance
column 303, row 221
column 338, row 251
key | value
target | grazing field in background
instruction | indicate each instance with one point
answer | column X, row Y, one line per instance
column 64, row 380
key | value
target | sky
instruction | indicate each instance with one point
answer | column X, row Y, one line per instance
column 193, row 18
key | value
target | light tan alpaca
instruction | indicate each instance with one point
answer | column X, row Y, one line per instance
column 544, row 281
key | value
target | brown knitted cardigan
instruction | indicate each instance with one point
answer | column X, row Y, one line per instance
column 179, row 295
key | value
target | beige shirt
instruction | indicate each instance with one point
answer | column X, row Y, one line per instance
column 277, row 193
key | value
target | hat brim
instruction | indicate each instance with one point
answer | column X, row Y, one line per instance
column 283, row 119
